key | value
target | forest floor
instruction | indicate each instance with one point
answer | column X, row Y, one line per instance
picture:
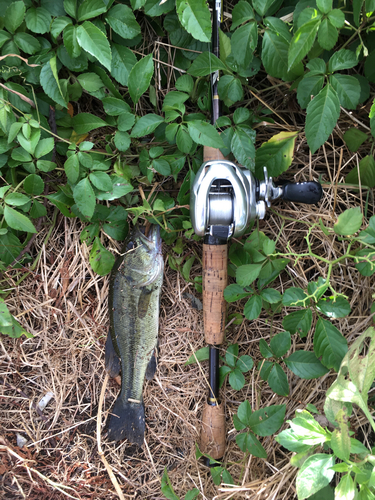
column 65, row 306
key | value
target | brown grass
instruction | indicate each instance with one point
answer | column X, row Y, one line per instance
column 64, row 305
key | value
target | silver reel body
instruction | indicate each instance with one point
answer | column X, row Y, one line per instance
column 225, row 198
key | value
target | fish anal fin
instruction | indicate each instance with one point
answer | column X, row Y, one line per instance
column 152, row 365
column 112, row 361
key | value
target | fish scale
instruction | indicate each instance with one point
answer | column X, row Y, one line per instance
column 134, row 300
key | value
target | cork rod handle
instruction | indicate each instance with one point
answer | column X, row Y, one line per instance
column 212, row 437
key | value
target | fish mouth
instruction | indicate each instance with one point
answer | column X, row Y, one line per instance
column 153, row 240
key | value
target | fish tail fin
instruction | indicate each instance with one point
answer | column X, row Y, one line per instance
column 127, row 421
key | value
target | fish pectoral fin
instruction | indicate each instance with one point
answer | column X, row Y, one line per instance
column 112, row 361
column 152, row 365
column 144, row 302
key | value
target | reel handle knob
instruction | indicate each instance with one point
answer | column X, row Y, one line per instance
column 303, row 192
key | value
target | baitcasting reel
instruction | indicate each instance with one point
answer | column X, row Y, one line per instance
column 225, row 198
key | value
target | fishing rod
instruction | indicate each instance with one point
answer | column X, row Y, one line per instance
column 224, row 199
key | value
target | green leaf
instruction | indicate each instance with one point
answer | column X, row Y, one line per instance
column 315, row 474
column 101, row 181
column 51, row 84
column 204, row 133
column 161, row 166
column 243, row 149
column 205, row 64
column 195, row 18
column 322, row 115
column 26, row 42
column 241, row 13
column 280, row 344
column 14, row 15
column 342, row 59
column 10, row 247
column 366, row 172
column 251, row 444
column 340, row 443
column 15, row 331
column 125, row 121
column 346, row 489
column 84, row 196
column 71, row 42
column 236, row 379
column 275, row 57
column 267, row 421
column 265, row 368
column 85, row 122
column 16, row 199
column 305, row 364
column 338, row 308
column 71, row 167
column 276, row 154
column 183, row 140
column 270, row 295
column 100, row 259
column 5, row 316
column 294, row 297
column 349, row 222
column 166, row 487
column 146, row 125
column 122, row 141
column 114, row 107
column 264, row 349
column 94, row 41
column 38, row 20
column 240, row 115
column 33, row 184
column 327, row 35
column 245, row 363
column 235, row 292
column 290, row 441
column 244, row 41
column 309, row 87
column 91, row 8
column 324, row 5
column 244, row 412
column 247, row 274
column 357, row 373
column 230, row 89
column 185, row 83
column 193, row 494
column 122, row 20
column 123, row 61
column 18, row 221
column 262, row 6
column 278, row 381
column 19, row 154
column 59, row 24
column 140, row 77
column 200, row 355
column 337, row 18
column 231, row 355
column 90, row 82
column 44, row 147
column 348, row 90
column 329, row 344
column 302, row 42
column 354, row 138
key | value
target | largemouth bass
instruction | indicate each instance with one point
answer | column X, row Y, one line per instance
column 134, row 300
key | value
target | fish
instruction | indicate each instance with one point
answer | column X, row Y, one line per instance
column 134, row 303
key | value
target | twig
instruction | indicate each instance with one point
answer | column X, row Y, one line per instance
column 21, row 96
column 98, row 438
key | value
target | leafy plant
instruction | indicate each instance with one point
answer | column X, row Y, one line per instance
column 263, row 422
column 306, row 436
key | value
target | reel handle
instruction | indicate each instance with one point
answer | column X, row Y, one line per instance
column 302, row 192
